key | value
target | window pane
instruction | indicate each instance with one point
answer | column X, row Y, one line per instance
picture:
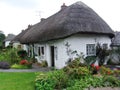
column 90, row 49
column 39, row 51
column 42, row 50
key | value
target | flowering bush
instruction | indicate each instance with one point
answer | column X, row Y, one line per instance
column 106, row 71
column 95, row 68
column 22, row 53
column 23, row 62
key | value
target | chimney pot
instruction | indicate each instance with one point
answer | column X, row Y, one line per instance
column 63, row 6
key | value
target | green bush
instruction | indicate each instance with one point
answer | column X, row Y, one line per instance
column 52, row 80
column 110, row 81
column 105, row 71
column 44, row 63
column 90, row 59
column 9, row 55
column 18, row 66
column 76, row 72
column 22, row 53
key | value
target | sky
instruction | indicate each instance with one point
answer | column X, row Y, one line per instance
column 16, row 15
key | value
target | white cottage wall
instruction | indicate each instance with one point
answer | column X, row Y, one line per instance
column 7, row 43
column 77, row 43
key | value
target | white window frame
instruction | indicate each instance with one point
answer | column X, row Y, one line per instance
column 90, row 50
column 41, row 52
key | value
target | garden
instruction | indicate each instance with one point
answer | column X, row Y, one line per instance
column 14, row 58
column 82, row 76
column 77, row 76
column 74, row 76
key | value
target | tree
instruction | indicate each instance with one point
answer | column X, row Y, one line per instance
column 2, row 37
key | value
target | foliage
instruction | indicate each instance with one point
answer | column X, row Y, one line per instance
column 17, row 80
column 2, row 37
column 59, row 80
column 44, row 63
column 105, row 71
column 22, row 53
column 51, row 80
column 95, row 68
column 18, row 66
column 101, row 53
column 23, row 62
column 116, row 73
column 90, row 59
column 9, row 55
column 76, row 73
column 111, row 81
column 4, row 65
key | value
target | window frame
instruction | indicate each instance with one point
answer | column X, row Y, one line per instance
column 90, row 50
column 41, row 50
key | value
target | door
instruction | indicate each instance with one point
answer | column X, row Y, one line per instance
column 52, row 56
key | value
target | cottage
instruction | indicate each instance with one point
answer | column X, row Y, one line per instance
column 16, row 40
column 116, row 41
column 8, row 39
column 73, row 30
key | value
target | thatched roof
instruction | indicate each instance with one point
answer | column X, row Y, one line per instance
column 73, row 19
column 116, row 39
column 17, row 38
column 9, row 37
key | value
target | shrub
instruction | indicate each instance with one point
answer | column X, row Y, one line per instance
column 4, row 65
column 51, row 80
column 23, row 62
column 44, row 63
column 111, row 81
column 76, row 73
column 95, row 68
column 9, row 55
column 22, row 53
column 90, row 59
column 17, row 66
column 116, row 73
column 105, row 71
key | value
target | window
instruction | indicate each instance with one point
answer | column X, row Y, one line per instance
column 90, row 49
column 105, row 46
column 40, row 51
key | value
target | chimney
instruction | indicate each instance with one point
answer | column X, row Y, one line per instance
column 29, row 26
column 42, row 19
column 63, row 6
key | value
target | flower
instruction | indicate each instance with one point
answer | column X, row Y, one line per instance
column 23, row 62
column 108, row 72
column 95, row 68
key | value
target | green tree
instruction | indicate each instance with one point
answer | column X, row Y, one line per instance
column 2, row 37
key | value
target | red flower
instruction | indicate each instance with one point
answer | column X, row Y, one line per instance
column 23, row 62
column 108, row 72
column 97, row 67
column 92, row 65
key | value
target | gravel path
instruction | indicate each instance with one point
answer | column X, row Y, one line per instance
column 35, row 68
column 25, row 70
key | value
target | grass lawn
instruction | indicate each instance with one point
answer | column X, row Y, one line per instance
column 17, row 80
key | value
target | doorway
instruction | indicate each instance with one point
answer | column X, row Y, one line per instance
column 52, row 56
